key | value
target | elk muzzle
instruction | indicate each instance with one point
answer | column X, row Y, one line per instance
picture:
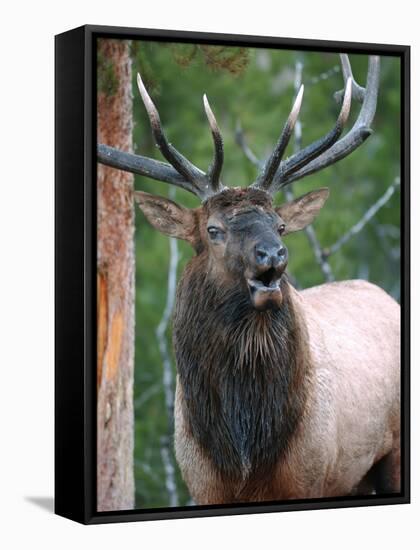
column 264, row 274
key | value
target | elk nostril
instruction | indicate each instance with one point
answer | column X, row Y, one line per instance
column 261, row 254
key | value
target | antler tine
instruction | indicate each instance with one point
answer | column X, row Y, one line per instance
column 190, row 172
column 265, row 179
column 347, row 144
column 314, row 150
column 215, row 168
column 358, row 92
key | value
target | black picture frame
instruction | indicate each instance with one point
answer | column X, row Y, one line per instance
column 75, row 273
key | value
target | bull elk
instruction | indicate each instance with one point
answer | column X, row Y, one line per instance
column 280, row 394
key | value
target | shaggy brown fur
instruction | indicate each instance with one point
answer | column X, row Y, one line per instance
column 244, row 388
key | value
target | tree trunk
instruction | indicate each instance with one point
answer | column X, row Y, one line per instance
column 115, row 314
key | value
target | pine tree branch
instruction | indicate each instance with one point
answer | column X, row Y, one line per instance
column 168, row 384
column 169, row 468
column 367, row 216
column 249, row 154
column 167, row 374
column 321, row 77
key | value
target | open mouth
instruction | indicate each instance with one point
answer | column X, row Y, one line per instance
column 269, row 279
column 265, row 291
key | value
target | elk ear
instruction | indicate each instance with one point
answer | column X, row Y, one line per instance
column 168, row 217
column 302, row 211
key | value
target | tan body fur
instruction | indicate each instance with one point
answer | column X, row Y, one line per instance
column 352, row 417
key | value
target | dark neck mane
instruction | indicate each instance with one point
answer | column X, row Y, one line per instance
column 242, row 372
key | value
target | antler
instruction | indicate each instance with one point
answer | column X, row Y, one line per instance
column 181, row 172
column 216, row 166
column 276, row 172
column 265, row 179
column 327, row 150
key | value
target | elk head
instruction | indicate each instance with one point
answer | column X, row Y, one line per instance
column 239, row 234
column 238, row 231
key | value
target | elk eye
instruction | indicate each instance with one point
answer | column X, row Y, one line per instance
column 282, row 227
column 215, row 233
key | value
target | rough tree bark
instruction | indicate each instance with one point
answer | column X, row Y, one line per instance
column 115, row 321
